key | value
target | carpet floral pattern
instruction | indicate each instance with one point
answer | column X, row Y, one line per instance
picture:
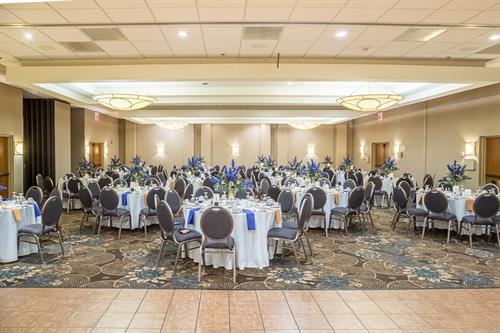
column 377, row 259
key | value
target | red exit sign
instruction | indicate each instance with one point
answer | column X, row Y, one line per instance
column 97, row 116
column 380, row 116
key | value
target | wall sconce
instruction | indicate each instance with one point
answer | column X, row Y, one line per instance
column 235, row 150
column 106, row 149
column 18, row 148
column 470, row 149
column 362, row 151
column 87, row 150
column 160, row 150
column 311, row 150
column 398, row 150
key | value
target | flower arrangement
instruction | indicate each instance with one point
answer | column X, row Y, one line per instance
column 347, row 163
column 137, row 170
column 455, row 176
column 3, row 187
column 265, row 161
column 327, row 161
column 231, row 179
column 115, row 163
column 313, row 170
column 388, row 167
column 261, row 160
column 85, row 167
column 294, row 165
column 195, row 163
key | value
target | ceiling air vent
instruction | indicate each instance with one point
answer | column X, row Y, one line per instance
column 100, row 34
column 419, row 34
column 495, row 49
column 82, row 46
column 260, row 32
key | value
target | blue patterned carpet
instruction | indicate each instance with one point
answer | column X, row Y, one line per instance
column 377, row 259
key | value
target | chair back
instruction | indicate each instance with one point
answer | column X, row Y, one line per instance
column 108, row 198
column 153, row 171
column 208, row 183
column 490, row 188
column 94, row 188
column 286, row 200
column 180, row 186
column 356, row 198
column 352, row 175
column 324, row 181
column 400, row 198
column 35, row 193
column 204, row 191
column 305, row 211
column 406, row 187
column 274, row 192
column 39, row 181
column 56, row 192
column 217, row 224
column 150, row 197
column 349, row 183
column 85, row 197
column 290, row 180
column 114, row 175
column 377, row 181
column 188, row 192
column 436, row 202
column 319, row 197
column 369, row 190
column 331, row 174
column 73, row 185
column 104, row 181
column 165, row 219
column 486, row 205
column 161, row 177
column 152, row 181
column 51, row 212
column 359, row 177
column 265, row 184
column 48, row 184
column 174, row 201
column 119, row 182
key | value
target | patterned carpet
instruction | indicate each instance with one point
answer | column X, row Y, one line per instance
column 378, row 259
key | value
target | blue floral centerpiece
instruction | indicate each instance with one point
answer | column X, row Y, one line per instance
column 313, row 170
column 195, row 163
column 115, row 163
column 269, row 163
column 85, row 167
column 137, row 170
column 294, row 165
column 231, row 179
column 455, row 177
column 347, row 163
column 261, row 160
column 388, row 167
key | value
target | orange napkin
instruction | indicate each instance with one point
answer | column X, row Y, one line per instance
column 336, row 197
column 277, row 217
column 469, row 204
column 145, row 196
column 366, row 182
column 16, row 212
column 420, row 198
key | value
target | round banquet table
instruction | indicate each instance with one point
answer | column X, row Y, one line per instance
column 251, row 245
column 318, row 221
column 10, row 250
column 387, row 186
column 134, row 202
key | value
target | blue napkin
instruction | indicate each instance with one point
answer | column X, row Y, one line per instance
column 191, row 214
column 37, row 210
column 124, row 198
column 250, row 219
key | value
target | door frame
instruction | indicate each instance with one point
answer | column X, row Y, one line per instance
column 482, row 157
column 10, row 159
column 374, row 151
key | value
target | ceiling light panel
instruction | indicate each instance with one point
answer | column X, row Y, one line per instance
column 261, row 32
column 419, row 34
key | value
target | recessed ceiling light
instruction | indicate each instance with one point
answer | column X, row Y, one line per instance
column 341, row 34
column 494, row 37
column 182, row 34
column 28, row 35
column 205, row 83
column 289, row 83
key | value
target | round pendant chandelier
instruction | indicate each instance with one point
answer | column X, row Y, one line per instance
column 172, row 125
column 369, row 102
column 124, row 102
column 304, row 124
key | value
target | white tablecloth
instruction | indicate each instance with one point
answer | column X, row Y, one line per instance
column 318, row 221
column 387, row 186
column 251, row 245
column 9, row 249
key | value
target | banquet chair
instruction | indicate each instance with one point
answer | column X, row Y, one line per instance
column 180, row 186
column 331, row 174
column 351, row 175
column 104, row 181
column 319, row 197
column 366, row 206
column 286, row 200
column 204, row 191
column 94, row 189
column 174, row 201
column 437, row 210
column 89, row 207
column 56, row 192
column 216, row 225
column 161, row 177
column 51, row 213
column 410, row 194
column 154, row 194
column 346, row 214
column 359, row 177
column 114, row 175
column 290, row 180
column 490, row 188
column 208, row 183
column 35, row 193
column 244, row 193
column 48, row 185
column 349, row 183
column 171, row 232
column 428, row 182
column 72, row 186
column 153, row 171
column 402, row 209
column 109, row 200
column 119, row 182
column 39, row 181
column 69, row 175
column 188, row 192
column 293, row 224
column 152, row 181
column 292, row 235
column 378, row 191
column 274, row 192
column 264, row 186
column 485, row 211
column 324, row 181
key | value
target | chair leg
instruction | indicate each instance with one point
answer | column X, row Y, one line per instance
column 39, row 248
column 328, row 226
column 361, row 224
column 234, row 266
column 99, row 228
column 470, row 235
column 295, row 253
column 423, row 228
column 159, row 254
column 81, row 222
column 309, row 244
column 449, row 231
column 179, row 247
column 95, row 224
column 498, row 235
column 199, row 268
column 371, row 219
column 303, row 248
column 120, row 228
column 60, row 241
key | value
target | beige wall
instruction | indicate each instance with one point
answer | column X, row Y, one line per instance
column 433, row 133
column 62, row 138
column 11, row 124
column 106, row 130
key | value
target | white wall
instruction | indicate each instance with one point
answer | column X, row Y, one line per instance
column 105, row 131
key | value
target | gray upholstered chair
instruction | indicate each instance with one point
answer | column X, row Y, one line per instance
column 490, row 188
column 436, row 204
column 180, row 186
column 35, row 193
column 172, row 232
column 244, row 193
column 264, row 186
column 346, row 214
column 366, row 206
column 378, row 192
column 485, row 214
column 56, row 192
column 48, row 185
column 89, row 207
column 204, row 191
column 324, row 181
column 403, row 209
column 154, row 194
column 39, row 181
column 72, row 187
column 273, row 192
column 174, row 201
column 119, row 182
column 349, row 183
column 152, row 181
column 94, row 189
column 162, row 178
column 188, row 192
column 216, row 226
column 286, row 199
column 105, row 181
column 289, row 181
column 110, row 201
column 319, row 197
column 51, row 213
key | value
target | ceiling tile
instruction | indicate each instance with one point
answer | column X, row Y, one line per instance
column 271, row 3
column 142, row 33
column 370, row 3
column 361, row 49
column 421, row 4
column 467, row 4
column 450, row 16
column 14, row 46
column 221, row 3
column 216, row 47
column 321, row 3
column 458, row 35
column 396, row 49
column 302, row 32
column 257, row 48
column 486, row 17
column 292, row 48
column 50, row 48
column 5, row 38
column 430, row 47
column 85, row 15
column 88, row 4
column 176, row 14
column 193, row 31
column 93, row 55
column 267, row 13
column 221, row 13
column 191, row 48
column 327, row 48
column 222, row 31
column 121, row 3
column 483, row 56
column 359, row 15
column 485, row 38
column 313, row 14
column 7, row 17
column 119, row 49
column 39, row 15
column 414, row 54
column 64, row 34
column 170, row 3
column 381, row 33
column 150, row 48
column 469, row 48
column 17, row 33
column 26, row 5
column 400, row 15
column 127, row 15
column 353, row 31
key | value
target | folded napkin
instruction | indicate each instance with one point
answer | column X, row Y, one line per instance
column 420, row 198
column 365, row 182
column 469, row 204
column 145, row 196
column 250, row 219
column 277, row 217
column 16, row 212
column 336, row 198
column 36, row 209
column 124, row 198
column 191, row 214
